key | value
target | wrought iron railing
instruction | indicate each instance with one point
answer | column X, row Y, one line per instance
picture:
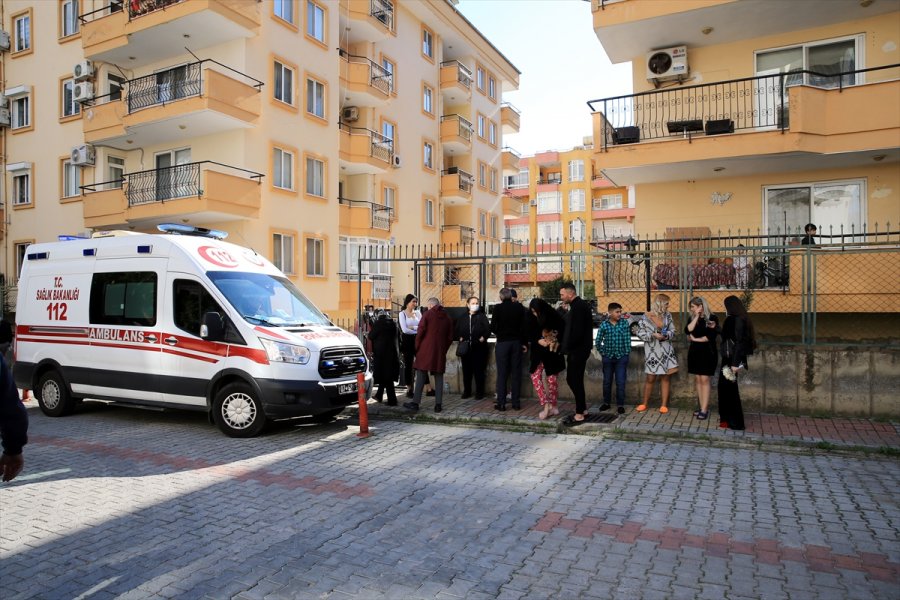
column 723, row 107
column 466, row 234
column 463, row 73
column 383, row 10
column 379, row 78
column 380, row 146
column 381, row 216
column 135, row 8
column 466, row 179
column 465, row 126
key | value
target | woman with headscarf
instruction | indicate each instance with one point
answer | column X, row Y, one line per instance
column 738, row 342
column 386, row 363
column 545, row 330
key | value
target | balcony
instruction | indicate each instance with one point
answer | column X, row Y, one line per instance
column 177, row 104
column 456, row 82
column 798, row 121
column 456, row 186
column 363, row 82
column 510, row 117
column 364, row 151
column 137, row 33
column 512, row 206
column 510, row 159
column 457, row 235
column 456, row 134
column 200, row 193
column 364, row 218
column 366, row 20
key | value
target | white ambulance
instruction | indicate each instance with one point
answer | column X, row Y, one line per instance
column 178, row 321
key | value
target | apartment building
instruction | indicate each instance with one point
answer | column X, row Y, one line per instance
column 306, row 129
column 559, row 203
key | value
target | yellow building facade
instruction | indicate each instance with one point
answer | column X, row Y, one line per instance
column 306, row 129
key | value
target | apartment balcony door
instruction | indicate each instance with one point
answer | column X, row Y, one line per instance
column 172, row 84
column 172, row 181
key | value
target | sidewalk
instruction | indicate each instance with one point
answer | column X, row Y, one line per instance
column 761, row 428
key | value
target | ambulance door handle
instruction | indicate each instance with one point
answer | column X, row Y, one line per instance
column 152, row 338
column 172, row 341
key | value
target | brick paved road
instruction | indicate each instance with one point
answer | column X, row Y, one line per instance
column 118, row 502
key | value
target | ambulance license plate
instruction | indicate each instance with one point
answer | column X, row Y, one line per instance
column 346, row 388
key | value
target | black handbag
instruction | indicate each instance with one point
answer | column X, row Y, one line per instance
column 462, row 348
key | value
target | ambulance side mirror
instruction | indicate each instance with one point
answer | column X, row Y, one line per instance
column 213, row 328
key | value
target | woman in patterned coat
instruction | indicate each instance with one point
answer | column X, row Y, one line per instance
column 657, row 330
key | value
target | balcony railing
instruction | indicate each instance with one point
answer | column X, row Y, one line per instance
column 463, row 74
column 135, row 8
column 723, row 107
column 380, row 147
column 466, row 180
column 465, row 127
column 383, row 10
column 167, row 183
column 466, row 234
column 381, row 216
column 379, row 78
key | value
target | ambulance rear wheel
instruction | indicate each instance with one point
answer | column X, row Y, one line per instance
column 238, row 412
column 53, row 395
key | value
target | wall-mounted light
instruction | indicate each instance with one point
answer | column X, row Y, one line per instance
column 879, row 157
column 706, row 30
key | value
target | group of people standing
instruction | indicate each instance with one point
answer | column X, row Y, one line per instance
column 556, row 341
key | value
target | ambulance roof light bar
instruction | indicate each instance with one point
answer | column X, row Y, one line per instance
column 179, row 229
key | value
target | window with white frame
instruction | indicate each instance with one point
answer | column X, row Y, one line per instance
column 576, row 170
column 284, row 83
column 283, row 169
column 388, row 130
column 492, row 133
column 576, row 200
column 428, row 155
column 21, row 111
column 70, row 107
column 824, row 58
column 482, row 223
column 482, row 174
column 315, row 177
column 429, row 212
column 492, row 87
column 315, row 21
column 315, row 98
column 577, row 230
column 481, row 126
column 608, row 202
column 69, row 17
column 835, row 207
column 518, row 233
column 612, row 229
column 548, row 202
column 284, row 10
column 549, row 231
column 21, row 247
column 493, row 180
column 389, row 199
column 348, row 255
column 479, row 78
column 315, row 257
column 427, row 99
column 520, row 180
column 71, row 179
column 21, row 186
column 283, row 252
column 22, row 33
column 427, row 43
column 389, row 68
column 494, row 231
column 115, row 172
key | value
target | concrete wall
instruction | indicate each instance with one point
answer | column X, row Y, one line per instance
column 853, row 381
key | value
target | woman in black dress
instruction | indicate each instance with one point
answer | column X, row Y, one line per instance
column 545, row 331
column 474, row 328
column 738, row 342
column 386, row 367
column 702, row 356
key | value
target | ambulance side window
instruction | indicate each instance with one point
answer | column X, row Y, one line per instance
column 123, row 299
column 192, row 301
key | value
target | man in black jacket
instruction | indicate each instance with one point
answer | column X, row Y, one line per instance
column 13, row 425
column 577, row 345
column 508, row 324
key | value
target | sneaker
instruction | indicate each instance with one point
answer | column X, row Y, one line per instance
column 411, row 405
column 621, row 410
column 604, row 406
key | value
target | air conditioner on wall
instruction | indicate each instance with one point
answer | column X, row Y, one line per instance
column 667, row 64
column 4, row 40
column 350, row 114
column 396, row 161
column 4, row 101
column 83, row 155
column 4, row 117
column 83, row 70
column 84, row 91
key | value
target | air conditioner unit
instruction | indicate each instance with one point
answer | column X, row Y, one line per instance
column 396, row 161
column 84, row 91
column 667, row 64
column 4, row 40
column 533, row 203
column 83, row 70
column 4, row 117
column 350, row 114
column 4, row 101
column 83, row 155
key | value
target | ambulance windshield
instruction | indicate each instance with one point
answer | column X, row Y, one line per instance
column 267, row 300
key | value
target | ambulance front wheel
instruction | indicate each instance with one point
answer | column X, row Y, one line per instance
column 53, row 395
column 238, row 412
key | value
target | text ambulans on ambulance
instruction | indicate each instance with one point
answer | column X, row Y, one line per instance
column 178, row 321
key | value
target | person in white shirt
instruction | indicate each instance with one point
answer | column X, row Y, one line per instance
column 409, row 325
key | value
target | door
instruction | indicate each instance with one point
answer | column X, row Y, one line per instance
column 171, row 84
column 173, row 179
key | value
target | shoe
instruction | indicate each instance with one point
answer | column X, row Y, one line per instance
column 500, row 407
column 517, row 406
column 438, row 408
column 431, row 393
column 641, row 408
column 377, row 399
column 409, row 393
column 465, row 396
column 697, row 413
column 411, row 405
column 663, row 409
column 702, row 416
column 391, row 403
column 723, row 425
column 621, row 410
column 604, row 406
column 570, row 421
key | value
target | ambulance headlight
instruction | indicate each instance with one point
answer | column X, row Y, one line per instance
column 289, row 353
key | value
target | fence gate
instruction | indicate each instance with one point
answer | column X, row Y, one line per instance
column 452, row 281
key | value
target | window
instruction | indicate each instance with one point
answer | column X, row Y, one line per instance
column 429, row 212
column 315, row 177
column 823, row 57
column 283, row 252
column 315, row 98
column 608, row 202
column 390, row 68
column 21, row 247
column 576, row 200
column 428, row 155
column 22, row 32
column 548, row 202
column 493, row 226
column 389, row 199
column 115, row 172
column 21, row 112
column 479, row 77
column 493, row 180
column 315, row 257
column 517, row 181
column 284, row 10
column 576, row 170
column 577, row 230
column 115, row 84
column 518, row 233
column 388, row 130
column 549, row 231
column 350, row 249
column 482, row 223
column 482, row 174
column 492, row 87
column 315, row 21
column 834, row 206
column 427, row 99
column 481, row 126
column 71, row 179
column 427, row 43
column 68, row 18
column 492, row 133
column 283, row 169
column 70, row 107
column 284, row 83
column 127, row 298
column 190, row 301
column 21, row 188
